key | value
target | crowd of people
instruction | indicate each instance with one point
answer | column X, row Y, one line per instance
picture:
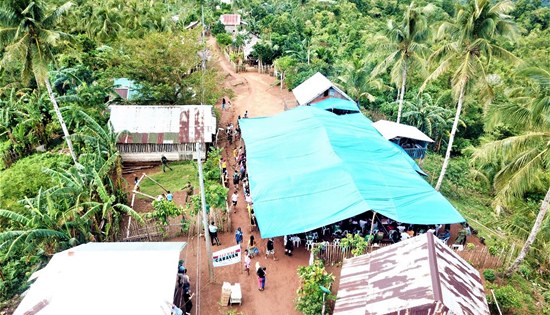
column 182, row 303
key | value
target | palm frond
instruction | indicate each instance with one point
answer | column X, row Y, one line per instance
column 14, row 216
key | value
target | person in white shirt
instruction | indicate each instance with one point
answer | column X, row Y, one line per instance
column 213, row 230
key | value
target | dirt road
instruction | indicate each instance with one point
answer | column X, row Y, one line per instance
column 257, row 94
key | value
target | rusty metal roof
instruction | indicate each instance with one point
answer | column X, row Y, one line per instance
column 163, row 123
column 230, row 19
column 420, row 275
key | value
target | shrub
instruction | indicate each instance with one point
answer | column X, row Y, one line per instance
column 508, row 298
column 310, row 294
column 489, row 275
column 224, row 39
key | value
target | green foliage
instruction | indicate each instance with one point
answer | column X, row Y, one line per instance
column 508, row 298
column 175, row 79
column 164, row 210
column 224, row 39
column 310, row 295
column 26, row 177
column 356, row 243
column 489, row 275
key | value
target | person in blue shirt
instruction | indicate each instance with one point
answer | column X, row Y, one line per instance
column 239, row 235
column 169, row 196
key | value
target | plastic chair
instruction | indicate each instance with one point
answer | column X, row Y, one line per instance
column 315, row 236
column 336, row 242
column 325, row 230
column 309, row 244
column 296, row 241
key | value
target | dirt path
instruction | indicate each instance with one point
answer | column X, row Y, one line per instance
column 257, row 94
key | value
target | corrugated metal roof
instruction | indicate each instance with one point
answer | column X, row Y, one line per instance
column 106, row 272
column 390, row 130
column 230, row 19
column 314, row 86
column 420, row 274
column 163, row 123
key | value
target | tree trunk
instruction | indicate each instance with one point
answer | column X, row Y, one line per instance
column 534, row 231
column 451, row 140
column 402, row 94
column 61, row 121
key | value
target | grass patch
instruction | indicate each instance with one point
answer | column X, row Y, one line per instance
column 183, row 171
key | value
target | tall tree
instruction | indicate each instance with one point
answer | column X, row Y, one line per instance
column 472, row 45
column 525, row 158
column 356, row 80
column 407, row 49
column 28, row 36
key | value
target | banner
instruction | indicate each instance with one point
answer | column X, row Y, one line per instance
column 228, row 256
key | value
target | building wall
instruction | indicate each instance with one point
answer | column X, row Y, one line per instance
column 332, row 93
column 151, row 152
column 230, row 28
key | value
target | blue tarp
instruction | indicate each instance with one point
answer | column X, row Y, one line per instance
column 309, row 167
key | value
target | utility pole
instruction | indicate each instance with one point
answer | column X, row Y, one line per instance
column 205, row 217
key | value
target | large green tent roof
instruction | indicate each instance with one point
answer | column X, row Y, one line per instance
column 309, row 167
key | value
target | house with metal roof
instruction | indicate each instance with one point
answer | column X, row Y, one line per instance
column 106, row 278
column 147, row 132
column 412, row 140
column 230, row 22
column 317, row 88
column 420, row 275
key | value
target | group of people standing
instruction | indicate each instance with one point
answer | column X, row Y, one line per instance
column 239, row 176
column 182, row 294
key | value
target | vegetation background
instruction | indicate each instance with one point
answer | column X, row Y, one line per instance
column 473, row 75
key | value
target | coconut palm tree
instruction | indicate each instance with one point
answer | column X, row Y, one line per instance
column 428, row 115
column 27, row 37
column 407, row 49
column 472, row 46
column 525, row 158
column 357, row 82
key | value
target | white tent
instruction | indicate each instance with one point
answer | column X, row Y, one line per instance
column 106, row 278
column 390, row 130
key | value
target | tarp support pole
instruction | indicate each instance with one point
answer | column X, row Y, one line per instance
column 371, row 229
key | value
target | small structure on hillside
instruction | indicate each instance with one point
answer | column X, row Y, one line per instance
column 147, row 132
column 412, row 140
column 317, row 88
column 127, row 89
column 420, row 275
column 230, row 22
column 106, row 278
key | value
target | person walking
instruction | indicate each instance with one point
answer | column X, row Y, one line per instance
column 289, row 247
column 234, row 199
column 247, row 262
column 239, row 236
column 270, row 248
column 213, row 230
column 236, row 179
column 252, row 248
column 260, row 272
column 164, row 162
column 189, row 191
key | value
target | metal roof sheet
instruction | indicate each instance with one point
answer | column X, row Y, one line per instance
column 230, row 19
column 163, row 123
column 390, row 130
column 420, row 274
column 106, row 278
column 314, row 86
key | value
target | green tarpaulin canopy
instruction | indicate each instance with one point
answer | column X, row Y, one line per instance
column 309, row 167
